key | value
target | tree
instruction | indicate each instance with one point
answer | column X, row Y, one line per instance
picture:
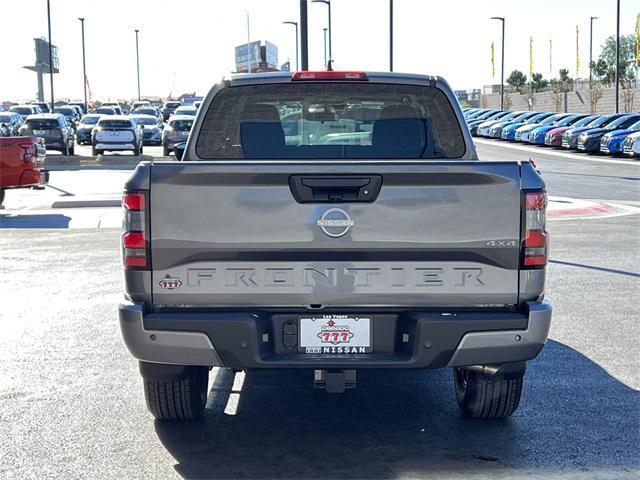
column 604, row 69
column 594, row 94
column 517, row 80
column 538, row 82
column 564, row 76
column 559, row 87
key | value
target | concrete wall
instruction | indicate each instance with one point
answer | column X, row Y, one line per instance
column 574, row 101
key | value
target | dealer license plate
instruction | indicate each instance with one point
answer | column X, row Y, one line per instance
column 335, row 334
column 39, row 132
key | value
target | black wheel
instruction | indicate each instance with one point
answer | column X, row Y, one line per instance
column 137, row 151
column 487, row 396
column 165, row 151
column 65, row 150
column 141, row 149
column 181, row 399
column 72, row 150
column 94, row 151
column 1, row 196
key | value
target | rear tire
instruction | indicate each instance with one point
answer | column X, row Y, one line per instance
column 137, row 151
column 165, row 151
column 487, row 396
column 94, row 151
column 180, row 399
column 1, row 196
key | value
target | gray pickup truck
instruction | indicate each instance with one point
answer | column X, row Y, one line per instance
column 333, row 221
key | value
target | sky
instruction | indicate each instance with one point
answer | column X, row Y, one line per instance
column 188, row 45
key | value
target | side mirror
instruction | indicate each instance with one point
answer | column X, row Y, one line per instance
column 179, row 150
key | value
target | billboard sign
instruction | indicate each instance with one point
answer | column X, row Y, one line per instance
column 271, row 54
column 42, row 55
column 242, row 55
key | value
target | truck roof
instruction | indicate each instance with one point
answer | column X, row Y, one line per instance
column 377, row 77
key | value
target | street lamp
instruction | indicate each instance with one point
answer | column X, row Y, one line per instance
column 53, row 104
column 138, row 62
column 328, row 4
column 591, row 19
column 84, row 67
column 502, row 68
column 391, row 35
column 295, row 24
column 248, row 44
column 324, row 31
column 617, row 55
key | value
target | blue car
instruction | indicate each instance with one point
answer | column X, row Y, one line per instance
column 522, row 133
column 509, row 131
column 473, row 124
column 494, row 128
column 613, row 142
column 536, row 136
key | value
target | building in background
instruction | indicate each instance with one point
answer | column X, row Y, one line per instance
column 264, row 57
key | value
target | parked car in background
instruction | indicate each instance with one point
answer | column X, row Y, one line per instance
column 78, row 111
column 25, row 110
column 104, row 110
column 115, row 105
column 169, row 107
column 197, row 104
column 553, row 138
column 186, row 110
column 612, row 142
column 176, row 131
column 12, row 122
column 53, row 127
column 495, row 128
column 589, row 141
column 485, row 117
column 70, row 113
column 44, row 106
column 509, row 132
column 631, row 145
column 148, row 110
column 547, row 118
column 537, row 135
column 570, row 136
column 80, row 105
column 84, row 128
column 151, row 128
column 21, row 164
column 140, row 103
column 116, row 133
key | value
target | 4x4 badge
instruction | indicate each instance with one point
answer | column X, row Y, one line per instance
column 170, row 282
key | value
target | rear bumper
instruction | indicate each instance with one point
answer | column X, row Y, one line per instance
column 115, row 146
column 245, row 340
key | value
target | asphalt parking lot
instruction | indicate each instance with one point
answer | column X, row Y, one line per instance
column 73, row 403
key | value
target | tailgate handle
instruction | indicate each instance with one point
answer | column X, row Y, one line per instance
column 335, row 189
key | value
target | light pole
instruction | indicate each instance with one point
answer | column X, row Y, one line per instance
column 304, row 37
column 53, row 103
column 502, row 67
column 328, row 4
column 617, row 55
column 138, row 62
column 591, row 19
column 295, row 24
column 84, row 67
column 391, row 35
column 324, row 31
column 248, row 44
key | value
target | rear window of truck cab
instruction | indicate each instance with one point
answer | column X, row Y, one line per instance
column 330, row 120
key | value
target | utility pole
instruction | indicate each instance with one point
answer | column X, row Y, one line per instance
column 391, row 35
column 138, row 62
column 295, row 24
column 591, row 19
column 304, row 37
column 84, row 68
column 53, row 103
column 502, row 19
column 617, row 56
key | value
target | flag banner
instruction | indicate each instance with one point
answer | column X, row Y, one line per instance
column 493, row 65
column 550, row 58
column 530, row 58
column 577, row 52
column 638, row 40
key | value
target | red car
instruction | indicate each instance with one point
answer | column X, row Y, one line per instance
column 22, row 163
column 553, row 138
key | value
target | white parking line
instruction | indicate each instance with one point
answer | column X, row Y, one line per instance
column 552, row 153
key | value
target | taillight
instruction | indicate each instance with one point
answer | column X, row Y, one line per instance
column 535, row 243
column 29, row 152
column 329, row 75
column 135, row 242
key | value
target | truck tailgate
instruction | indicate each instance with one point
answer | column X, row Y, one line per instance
column 231, row 234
